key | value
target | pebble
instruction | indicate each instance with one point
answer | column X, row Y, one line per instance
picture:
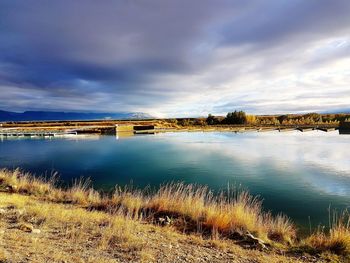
column 36, row 231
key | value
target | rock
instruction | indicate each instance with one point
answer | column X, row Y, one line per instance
column 36, row 231
column 164, row 221
column 254, row 241
column 2, row 232
column 2, row 211
column 25, row 227
column 167, row 220
column 11, row 188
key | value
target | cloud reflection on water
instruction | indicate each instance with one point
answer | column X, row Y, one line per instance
column 315, row 159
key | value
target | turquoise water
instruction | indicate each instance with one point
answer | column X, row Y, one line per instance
column 300, row 174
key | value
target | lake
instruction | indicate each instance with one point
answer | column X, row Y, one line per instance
column 299, row 174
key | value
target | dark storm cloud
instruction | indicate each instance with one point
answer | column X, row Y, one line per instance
column 270, row 22
column 118, row 43
column 159, row 54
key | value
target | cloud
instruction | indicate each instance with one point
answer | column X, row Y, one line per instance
column 175, row 57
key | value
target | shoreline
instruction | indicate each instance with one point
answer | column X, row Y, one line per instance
column 109, row 128
column 190, row 210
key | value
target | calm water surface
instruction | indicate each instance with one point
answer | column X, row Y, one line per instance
column 300, row 174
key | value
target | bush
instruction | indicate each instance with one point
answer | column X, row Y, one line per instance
column 236, row 117
column 212, row 120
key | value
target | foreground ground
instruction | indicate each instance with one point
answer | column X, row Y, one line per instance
column 36, row 231
column 42, row 223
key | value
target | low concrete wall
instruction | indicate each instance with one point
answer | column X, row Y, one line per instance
column 124, row 128
column 143, row 127
column 127, row 127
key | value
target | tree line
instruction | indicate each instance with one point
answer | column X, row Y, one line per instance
column 242, row 118
column 236, row 117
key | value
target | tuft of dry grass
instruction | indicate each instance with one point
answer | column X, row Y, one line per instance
column 223, row 214
column 241, row 213
column 82, row 193
column 280, row 228
column 24, row 183
column 336, row 239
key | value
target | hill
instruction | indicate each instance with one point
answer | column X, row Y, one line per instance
column 67, row 116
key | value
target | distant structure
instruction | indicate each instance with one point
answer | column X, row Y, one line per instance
column 133, row 128
column 126, row 130
column 344, row 127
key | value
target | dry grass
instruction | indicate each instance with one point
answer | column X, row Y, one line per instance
column 224, row 214
column 3, row 257
column 189, row 208
column 336, row 239
column 195, row 206
column 17, row 181
column 70, row 233
column 72, row 225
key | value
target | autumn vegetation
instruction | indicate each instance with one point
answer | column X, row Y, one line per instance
column 242, row 118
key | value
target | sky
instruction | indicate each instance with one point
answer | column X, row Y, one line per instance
column 175, row 58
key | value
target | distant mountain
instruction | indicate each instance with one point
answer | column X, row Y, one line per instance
column 65, row 116
column 338, row 111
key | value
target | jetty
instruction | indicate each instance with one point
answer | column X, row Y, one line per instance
column 135, row 129
column 115, row 129
column 266, row 129
column 286, row 129
column 306, row 129
column 34, row 134
column 325, row 129
column 100, row 130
